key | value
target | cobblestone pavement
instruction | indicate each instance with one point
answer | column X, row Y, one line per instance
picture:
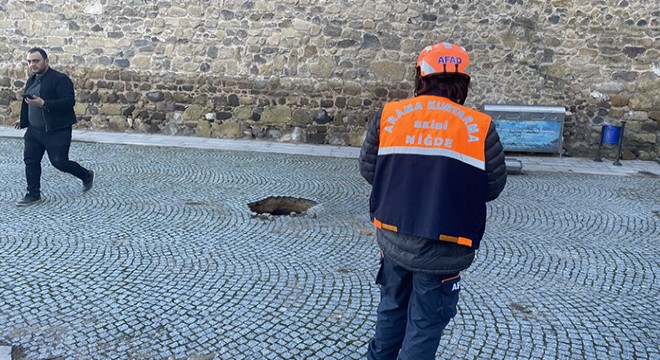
column 163, row 259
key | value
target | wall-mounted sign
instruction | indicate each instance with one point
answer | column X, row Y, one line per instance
column 528, row 128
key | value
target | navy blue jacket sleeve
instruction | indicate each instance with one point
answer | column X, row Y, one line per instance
column 64, row 98
column 495, row 164
column 369, row 151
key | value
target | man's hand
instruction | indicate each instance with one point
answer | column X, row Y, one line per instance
column 35, row 101
column 17, row 124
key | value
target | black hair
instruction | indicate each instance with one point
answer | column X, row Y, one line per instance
column 456, row 85
column 40, row 51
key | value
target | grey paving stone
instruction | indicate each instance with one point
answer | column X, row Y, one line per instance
column 5, row 353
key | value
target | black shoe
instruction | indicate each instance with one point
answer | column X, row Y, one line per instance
column 87, row 184
column 28, row 200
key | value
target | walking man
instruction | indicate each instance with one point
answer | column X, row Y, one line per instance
column 47, row 112
column 433, row 164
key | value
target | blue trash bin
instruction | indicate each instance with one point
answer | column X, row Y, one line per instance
column 611, row 134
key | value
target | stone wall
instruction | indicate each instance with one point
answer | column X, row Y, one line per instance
column 263, row 69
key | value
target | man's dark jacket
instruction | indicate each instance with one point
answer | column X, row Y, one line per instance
column 59, row 99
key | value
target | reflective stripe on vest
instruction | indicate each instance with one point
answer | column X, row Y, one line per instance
column 380, row 225
column 453, row 239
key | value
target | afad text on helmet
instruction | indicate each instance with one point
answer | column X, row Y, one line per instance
column 449, row 60
column 472, row 128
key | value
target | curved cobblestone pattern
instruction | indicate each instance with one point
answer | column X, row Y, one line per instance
column 164, row 260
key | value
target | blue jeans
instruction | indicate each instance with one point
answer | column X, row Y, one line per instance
column 414, row 309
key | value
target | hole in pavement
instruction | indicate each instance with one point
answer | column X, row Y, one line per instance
column 281, row 205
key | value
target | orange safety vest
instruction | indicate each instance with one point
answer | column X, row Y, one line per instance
column 430, row 176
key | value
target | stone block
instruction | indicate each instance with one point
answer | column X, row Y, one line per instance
column 622, row 75
column 315, row 138
column 156, row 96
column 636, row 115
column 133, row 96
column 166, row 106
column 654, row 115
column 352, row 88
column 142, row 62
column 609, row 87
column 301, row 25
column 195, row 11
column 221, row 115
column 297, row 135
column 290, row 33
column 158, row 116
column 388, row 70
column 243, row 113
column 619, row 100
column 616, row 113
column 194, row 112
column 324, row 68
column 276, row 114
column 641, row 101
column 15, row 109
column 55, row 41
column 357, row 136
column 310, row 51
column 302, row 116
column 117, row 123
column 640, row 138
column 273, row 133
column 627, row 155
column 338, row 138
column 560, row 71
column 649, row 126
column 247, row 100
column 354, row 101
column 182, row 97
column 110, row 109
column 203, row 128
column 80, row 109
column 226, row 130
column 315, row 30
column 648, row 155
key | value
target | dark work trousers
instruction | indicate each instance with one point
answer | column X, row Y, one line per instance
column 57, row 144
column 414, row 308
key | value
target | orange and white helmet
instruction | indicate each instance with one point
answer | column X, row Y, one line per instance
column 443, row 59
